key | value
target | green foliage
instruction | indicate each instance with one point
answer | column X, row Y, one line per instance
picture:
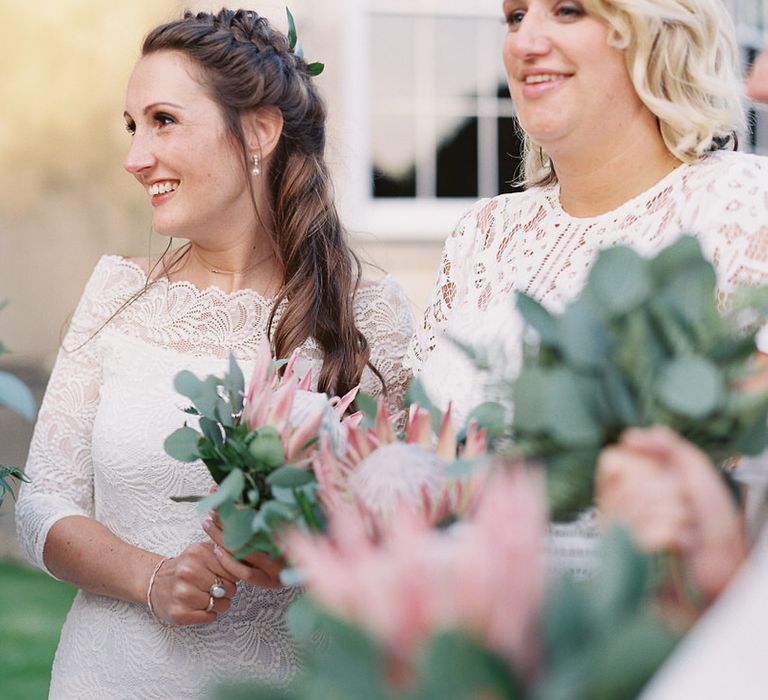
column 600, row 639
column 6, row 473
column 14, row 395
column 295, row 47
column 643, row 344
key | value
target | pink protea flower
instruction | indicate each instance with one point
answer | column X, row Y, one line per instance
column 485, row 576
column 289, row 405
column 381, row 474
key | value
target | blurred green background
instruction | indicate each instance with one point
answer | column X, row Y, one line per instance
column 33, row 607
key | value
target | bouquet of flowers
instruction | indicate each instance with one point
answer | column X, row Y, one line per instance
column 258, row 447
column 14, row 395
column 643, row 344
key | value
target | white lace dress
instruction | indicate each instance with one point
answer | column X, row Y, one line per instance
column 98, row 451
column 526, row 242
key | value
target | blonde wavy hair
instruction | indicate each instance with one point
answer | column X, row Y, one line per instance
column 683, row 61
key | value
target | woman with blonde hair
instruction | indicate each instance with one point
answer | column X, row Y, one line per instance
column 227, row 139
column 631, row 111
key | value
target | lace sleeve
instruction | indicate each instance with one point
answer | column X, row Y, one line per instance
column 59, row 463
column 384, row 317
column 449, row 286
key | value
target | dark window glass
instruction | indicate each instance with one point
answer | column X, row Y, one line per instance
column 457, row 161
column 510, row 155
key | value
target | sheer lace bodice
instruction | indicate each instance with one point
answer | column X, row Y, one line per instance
column 526, row 242
column 98, row 451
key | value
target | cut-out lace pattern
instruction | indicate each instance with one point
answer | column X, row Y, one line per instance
column 98, row 451
column 527, row 242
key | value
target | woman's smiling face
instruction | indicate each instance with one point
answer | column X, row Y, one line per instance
column 181, row 152
column 566, row 80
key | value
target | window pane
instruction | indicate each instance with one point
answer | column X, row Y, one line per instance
column 392, row 75
column 394, row 156
column 457, row 159
column 455, row 61
column 510, row 155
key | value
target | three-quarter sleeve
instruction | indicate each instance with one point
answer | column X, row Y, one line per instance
column 59, row 464
column 383, row 315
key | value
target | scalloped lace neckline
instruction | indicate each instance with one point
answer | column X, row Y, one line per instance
column 212, row 290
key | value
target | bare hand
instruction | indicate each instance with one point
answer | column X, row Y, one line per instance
column 668, row 493
column 258, row 568
column 181, row 592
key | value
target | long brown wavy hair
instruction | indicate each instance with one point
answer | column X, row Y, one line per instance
column 246, row 64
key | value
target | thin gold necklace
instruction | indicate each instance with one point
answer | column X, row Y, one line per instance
column 232, row 273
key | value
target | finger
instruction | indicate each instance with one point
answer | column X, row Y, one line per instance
column 267, row 576
column 213, row 530
column 198, row 567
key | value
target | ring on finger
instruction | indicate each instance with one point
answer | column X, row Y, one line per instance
column 211, row 603
column 217, row 589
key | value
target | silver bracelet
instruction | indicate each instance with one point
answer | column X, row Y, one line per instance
column 149, row 593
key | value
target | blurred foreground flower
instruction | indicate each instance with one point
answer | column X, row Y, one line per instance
column 465, row 613
column 484, row 576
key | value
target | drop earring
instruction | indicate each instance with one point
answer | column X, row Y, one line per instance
column 256, row 169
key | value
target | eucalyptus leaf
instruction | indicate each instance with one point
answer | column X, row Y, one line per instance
column 625, row 577
column 584, row 339
column 234, row 383
column 228, row 492
column 531, row 392
column 315, row 68
column 207, row 399
column 681, row 255
column 457, row 666
column 288, row 477
column 182, row 444
column 15, row 395
column 691, row 386
column 620, row 280
column 187, row 384
column 571, row 417
column 538, row 318
column 236, row 526
column 211, row 431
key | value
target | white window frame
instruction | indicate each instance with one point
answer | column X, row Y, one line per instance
column 395, row 219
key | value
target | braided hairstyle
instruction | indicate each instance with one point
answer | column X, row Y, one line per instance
column 246, row 64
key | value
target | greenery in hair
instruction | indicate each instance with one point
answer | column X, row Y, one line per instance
column 296, row 48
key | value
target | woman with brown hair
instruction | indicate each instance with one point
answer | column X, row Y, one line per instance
column 228, row 135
